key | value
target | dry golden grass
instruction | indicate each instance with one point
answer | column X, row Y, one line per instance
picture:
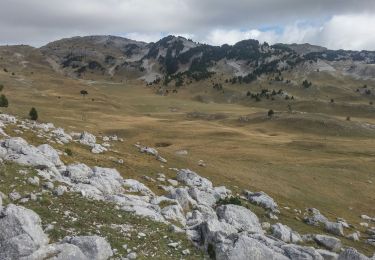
column 300, row 165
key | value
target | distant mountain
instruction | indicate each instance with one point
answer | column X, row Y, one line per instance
column 178, row 59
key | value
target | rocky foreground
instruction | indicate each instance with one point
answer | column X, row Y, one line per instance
column 211, row 217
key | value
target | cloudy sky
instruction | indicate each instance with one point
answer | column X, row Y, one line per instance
column 336, row 24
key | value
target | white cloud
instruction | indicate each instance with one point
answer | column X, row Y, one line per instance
column 354, row 32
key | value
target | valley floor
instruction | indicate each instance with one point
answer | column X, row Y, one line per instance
column 301, row 159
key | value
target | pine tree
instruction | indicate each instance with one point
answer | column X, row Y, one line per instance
column 33, row 114
column 3, row 101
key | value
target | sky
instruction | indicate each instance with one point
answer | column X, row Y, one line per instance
column 335, row 24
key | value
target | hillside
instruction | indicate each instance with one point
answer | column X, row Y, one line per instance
column 173, row 152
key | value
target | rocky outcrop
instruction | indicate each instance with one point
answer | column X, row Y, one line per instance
column 22, row 237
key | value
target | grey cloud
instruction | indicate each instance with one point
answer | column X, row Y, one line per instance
column 38, row 21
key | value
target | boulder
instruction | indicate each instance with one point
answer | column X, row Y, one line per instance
column 285, row 233
column 327, row 255
column 192, row 179
column 107, row 180
column 301, row 252
column 50, row 153
column 93, row 247
column 334, row 228
column 78, row 172
column 173, row 182
column 131, row 185
column 204, row 197
column 330, row 243
column 315, row 217
column 148, row 150
column 87, row 139
column 14, row 196
column 352, row 254
column 19, row 151
column 59, row 251
column 215, row 232
column 261, row 199
column 97, row 148
column 20, row 232
column 61, row 136
column 240, row 218
column 243, row 247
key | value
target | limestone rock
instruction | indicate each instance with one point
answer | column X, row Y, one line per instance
column 261, row 199
column 331, row 243
column 192, row 179
column 334, row 228
column 50, row 153
column 240, row 218
column 285, row 233
column 87, row 139
column 20, row 232
column 93, row 247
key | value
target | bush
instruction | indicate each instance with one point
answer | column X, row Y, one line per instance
column 3, row 101
column 83, row 92
column 230, row 200
column 270, row 113
column 33, row 114
column 348, row 118
column 69, row 152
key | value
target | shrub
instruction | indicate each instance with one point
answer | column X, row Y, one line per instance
column 83, row 92
column 69, row 152
column 33, row 114
column 270, row 113
column 348, row 118
column 230, row 200
column 3, row 101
